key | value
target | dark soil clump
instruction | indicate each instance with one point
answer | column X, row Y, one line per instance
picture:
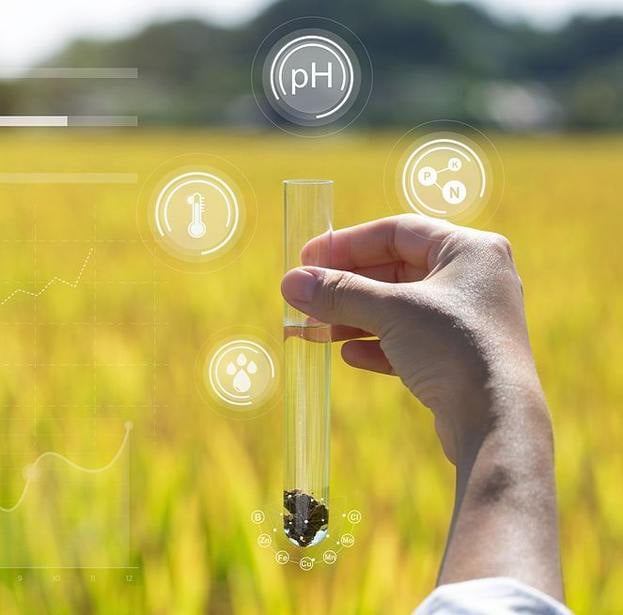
column 304, row 518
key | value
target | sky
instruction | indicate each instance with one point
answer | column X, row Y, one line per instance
column 32, row 29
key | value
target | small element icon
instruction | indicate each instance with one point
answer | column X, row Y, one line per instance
column 311, row 77
column 306, row 563
column 241, row 373
column 195, row 215
column 197, row 227
column 444, row 177
column 329, row 556
column 264, row 540
column 354, row 516
column 258, row 516
column 282, row 557
column 347, row 540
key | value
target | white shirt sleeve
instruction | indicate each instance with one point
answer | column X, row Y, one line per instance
column 495, row 596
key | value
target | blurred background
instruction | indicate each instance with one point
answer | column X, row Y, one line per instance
column 167, row 527
column 517, row 66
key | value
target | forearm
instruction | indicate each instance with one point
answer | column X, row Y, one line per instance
column 505, row 516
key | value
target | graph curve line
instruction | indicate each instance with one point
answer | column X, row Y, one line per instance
column 72, row 464
column 54, row 280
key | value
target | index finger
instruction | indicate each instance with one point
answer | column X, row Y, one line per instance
column 407, row 237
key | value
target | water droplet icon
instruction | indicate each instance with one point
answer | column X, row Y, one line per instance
column 242, row 382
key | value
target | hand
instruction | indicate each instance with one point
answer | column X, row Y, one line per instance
column 446, row 305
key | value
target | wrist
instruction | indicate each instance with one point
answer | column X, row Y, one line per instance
column 507, row 417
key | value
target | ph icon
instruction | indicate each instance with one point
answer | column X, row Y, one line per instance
column 311, row 77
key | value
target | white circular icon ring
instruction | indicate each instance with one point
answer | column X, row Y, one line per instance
column 311, row 76
column 196, row 214
column 444, row 177
column 241, row 373
column 307, row 106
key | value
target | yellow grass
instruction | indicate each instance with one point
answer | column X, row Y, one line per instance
column 95, row 360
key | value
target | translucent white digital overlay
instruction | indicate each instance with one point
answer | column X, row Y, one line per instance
column 436, row 189
column 304, row 54
column 197, row 212
column 312, row 73
column 241, row 373
column 187, row 204
column 445, row 169
column 269, row 536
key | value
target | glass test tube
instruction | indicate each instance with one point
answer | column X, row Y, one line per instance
column 308, row 209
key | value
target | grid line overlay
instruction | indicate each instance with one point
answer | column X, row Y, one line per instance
column 92, row 286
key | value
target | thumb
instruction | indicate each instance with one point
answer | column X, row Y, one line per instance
column 337, row 297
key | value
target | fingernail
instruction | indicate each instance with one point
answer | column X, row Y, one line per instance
column 299, row 285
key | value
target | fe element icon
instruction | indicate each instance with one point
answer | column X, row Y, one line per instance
column 444, row 177
column 196, row 215
column 241, row 373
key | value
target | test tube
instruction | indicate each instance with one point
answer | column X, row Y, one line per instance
column 308, row 206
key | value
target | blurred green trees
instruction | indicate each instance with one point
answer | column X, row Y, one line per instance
column 430, row 61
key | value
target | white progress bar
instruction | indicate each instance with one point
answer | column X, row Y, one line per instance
column 66, row 121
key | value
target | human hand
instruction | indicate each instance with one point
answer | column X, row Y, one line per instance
column 446, row 305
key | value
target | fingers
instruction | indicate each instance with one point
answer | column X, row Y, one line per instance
column 340, row 333
column 366, row 354
column 399, row 271
column 408, row 238
column 338, row 297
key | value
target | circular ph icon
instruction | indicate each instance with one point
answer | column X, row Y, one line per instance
column 312, row 72
column 241, row 373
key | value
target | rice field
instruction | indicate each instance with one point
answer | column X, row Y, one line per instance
column 117, row 337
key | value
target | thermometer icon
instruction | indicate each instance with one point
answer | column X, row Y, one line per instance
column 197, row 227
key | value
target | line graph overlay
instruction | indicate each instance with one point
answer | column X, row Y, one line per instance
column 52, row 282
column 70, row 515
column 31, row 470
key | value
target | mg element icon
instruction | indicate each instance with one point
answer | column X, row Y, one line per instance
column 312, row 77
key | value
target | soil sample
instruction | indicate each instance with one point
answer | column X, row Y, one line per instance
column 305, row 517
